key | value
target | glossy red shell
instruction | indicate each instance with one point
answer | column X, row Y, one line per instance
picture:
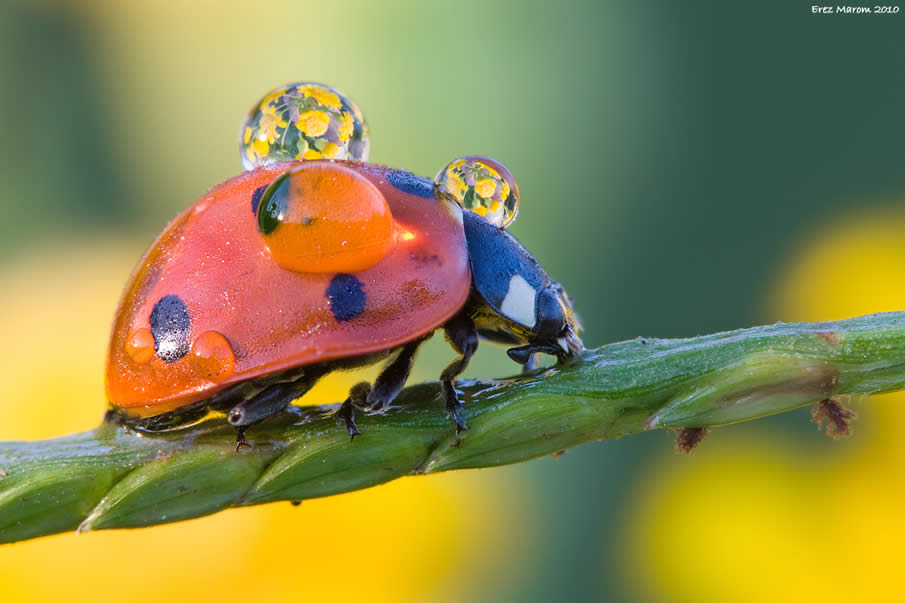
column 214, row 259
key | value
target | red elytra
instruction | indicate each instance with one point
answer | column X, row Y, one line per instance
column 248, row 316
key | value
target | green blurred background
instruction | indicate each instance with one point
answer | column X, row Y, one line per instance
column 674, row 159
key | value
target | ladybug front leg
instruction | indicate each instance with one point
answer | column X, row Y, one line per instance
column 463, row 337
column 532, row 363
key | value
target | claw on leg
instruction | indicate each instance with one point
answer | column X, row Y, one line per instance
column 241, row 442
column 838, row 418
column 452, row 407
column 347, row 414
column 357, row 396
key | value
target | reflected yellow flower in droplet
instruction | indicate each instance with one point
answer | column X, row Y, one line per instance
column 322, row 95
column 504, row 192
column 408, row 540
column 331, row 150
column 485, row 187
column 753, row 516
column 260, row 148
column 313, row 123
column 269, row 102
column 269, row 128
column 347, row 126
column 455, row 185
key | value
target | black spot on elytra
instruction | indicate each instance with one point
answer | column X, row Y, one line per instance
column 412, row 184
column 347, row 297
column 256, row 198
column 170, row 326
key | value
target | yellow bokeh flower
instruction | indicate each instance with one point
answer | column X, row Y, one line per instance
column 346, row 127
column 313, row 123
column 246, row 138
column 322, row 95
column 485, row 188
column 312, row 154
column 757, row 517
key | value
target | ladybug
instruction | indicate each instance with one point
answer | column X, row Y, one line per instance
column 297, row 268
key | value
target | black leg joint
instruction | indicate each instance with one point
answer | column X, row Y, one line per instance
column 463, row 337
column 392, row 379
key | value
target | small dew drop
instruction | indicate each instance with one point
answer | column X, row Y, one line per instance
column 213, row 356
column 140, row 346
column 480, row 185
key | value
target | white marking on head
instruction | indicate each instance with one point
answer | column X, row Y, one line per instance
column 519, row 303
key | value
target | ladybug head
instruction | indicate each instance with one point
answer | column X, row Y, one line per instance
column 513, row 300
column 557, row 324
column 555, row 329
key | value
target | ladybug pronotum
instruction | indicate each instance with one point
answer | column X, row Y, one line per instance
column 296, row 268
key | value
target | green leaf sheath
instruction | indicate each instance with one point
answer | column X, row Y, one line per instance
column 113, row 478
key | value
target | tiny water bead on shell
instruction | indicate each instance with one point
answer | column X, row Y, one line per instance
column 140, row 346
column 212, row 356
column 305, row 120
column 325, row 217
column 481, row 185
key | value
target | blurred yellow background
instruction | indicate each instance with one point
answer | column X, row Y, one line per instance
column 684, row 169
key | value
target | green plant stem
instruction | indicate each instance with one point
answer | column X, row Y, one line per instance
column 111, row 477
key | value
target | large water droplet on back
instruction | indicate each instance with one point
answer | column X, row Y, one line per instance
column 303, row 121
column 325, row 217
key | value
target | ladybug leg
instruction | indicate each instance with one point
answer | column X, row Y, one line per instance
column 463, row 337
column 387, row 386
column 241, row 442
column 532, row 363
column 527, row 354
column 357, row 396
column 272, row 400
column 392, row 379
